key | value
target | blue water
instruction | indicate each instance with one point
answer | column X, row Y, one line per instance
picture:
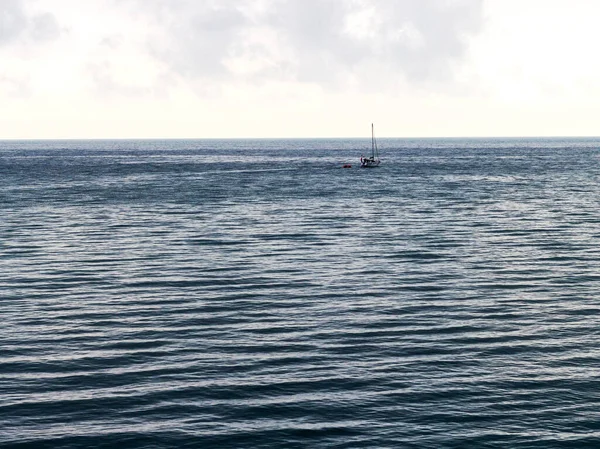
column 254, row 294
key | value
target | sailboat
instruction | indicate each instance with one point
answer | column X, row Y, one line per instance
column 373, row 161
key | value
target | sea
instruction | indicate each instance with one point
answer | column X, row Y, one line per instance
column 255, row 294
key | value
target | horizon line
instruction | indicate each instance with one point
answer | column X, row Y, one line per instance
column 13, row 139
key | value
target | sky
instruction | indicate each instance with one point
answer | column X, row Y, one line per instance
column 298, row 68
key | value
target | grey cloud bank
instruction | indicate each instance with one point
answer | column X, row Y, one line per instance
column 320, row 41
column 208, row 43
column 16, row 23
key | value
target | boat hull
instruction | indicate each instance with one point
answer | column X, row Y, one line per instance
column 369, row 164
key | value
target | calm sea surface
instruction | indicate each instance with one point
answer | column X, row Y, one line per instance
column 254, row 294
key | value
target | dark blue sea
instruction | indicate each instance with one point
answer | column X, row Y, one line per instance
column 255, row 294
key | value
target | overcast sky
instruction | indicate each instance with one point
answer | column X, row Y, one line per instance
column 298, row 68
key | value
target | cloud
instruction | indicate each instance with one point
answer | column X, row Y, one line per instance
column 12, row 20
column 23, row 30
column 195, row 38
column 136, row 48
column 317, row 41
column 44, row 27
column 16, row 22
column 14, row 87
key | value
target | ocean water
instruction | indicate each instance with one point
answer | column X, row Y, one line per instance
column 254, row 294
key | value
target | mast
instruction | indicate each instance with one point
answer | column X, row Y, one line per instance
column 374, row 150
column 372, row 141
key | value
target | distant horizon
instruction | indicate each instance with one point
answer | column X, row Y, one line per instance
column 42, row 139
